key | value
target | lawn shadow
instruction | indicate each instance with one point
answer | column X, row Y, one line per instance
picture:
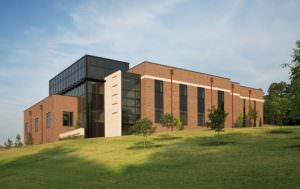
column 296, row 138
column 294, row 146
column 166, row 137
column 216, row 143
column 140, row 146
column 280, row 131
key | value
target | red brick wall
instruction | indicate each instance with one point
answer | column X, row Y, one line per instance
column 55, row 105
column 234, row 108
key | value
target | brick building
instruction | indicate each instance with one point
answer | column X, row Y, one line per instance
column 105, row 97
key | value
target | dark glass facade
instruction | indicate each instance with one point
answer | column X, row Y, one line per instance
column 221, row 100
column 159, row 100
column 183, row 104
column 85, row 80
column 131, row 95
column 201, row 106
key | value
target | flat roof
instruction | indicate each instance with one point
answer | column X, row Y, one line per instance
column 148, row 62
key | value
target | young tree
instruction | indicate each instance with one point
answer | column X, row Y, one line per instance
column 143, row 127
column 8, row 143
column 168, row 121
column 252, row 116
column 217, row 119
column 29, row 139
column 18, row 142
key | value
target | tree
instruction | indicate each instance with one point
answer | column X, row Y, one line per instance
column 8, row 143
column 252, row 114
column 143, row 127
column 29, row 139
column 18, row 142
column 294, row 89
column 277, row 104
column 217, row 119
column 168, row 121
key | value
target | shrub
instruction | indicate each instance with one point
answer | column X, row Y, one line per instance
column 29, row 139
column 179, row 125
column 239, row 121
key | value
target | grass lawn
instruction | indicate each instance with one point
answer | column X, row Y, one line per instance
column 247, row 158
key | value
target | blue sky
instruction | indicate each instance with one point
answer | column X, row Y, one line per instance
column 244, row 40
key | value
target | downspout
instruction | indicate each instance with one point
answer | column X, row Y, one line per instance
column 172, row 73
column 211, row 92
column 42, row 128
column 232, row 111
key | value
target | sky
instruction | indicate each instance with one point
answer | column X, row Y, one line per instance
column 246, row 41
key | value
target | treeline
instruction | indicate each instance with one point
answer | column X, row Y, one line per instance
column 282, row 103
column 9, row 143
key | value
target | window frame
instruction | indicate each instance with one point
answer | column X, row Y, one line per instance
column 70, row 118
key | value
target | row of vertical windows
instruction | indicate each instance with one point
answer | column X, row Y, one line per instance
column 67, row 121
column 201, row 106
column 183, row 103
column 159, row 100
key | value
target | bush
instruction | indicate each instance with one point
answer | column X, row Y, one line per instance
column 179, row 125
column 239, row 121
column 29, row 139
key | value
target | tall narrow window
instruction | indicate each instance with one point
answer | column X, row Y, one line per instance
column 36, row 124
column 201, row 106
column 68, row 119
column 254, row 111
column 221, row 100
column 244, row 113
column 183, row 103
column 26, row 129
column 48, row 120
column 159, row 100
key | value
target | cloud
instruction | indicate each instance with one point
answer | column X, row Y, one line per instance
column 244, row 40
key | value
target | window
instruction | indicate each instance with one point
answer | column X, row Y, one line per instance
column 159, row 100
column 48, row 120
column 68, row 119
column 26, row 128
column 255, row 111
column 221, row 100
column 201, row 106
column 183, row 103
column 36, row 124
column 244, row 112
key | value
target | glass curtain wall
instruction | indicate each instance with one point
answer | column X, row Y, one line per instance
column 131, row 95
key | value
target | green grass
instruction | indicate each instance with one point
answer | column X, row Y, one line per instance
column 247, row 158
